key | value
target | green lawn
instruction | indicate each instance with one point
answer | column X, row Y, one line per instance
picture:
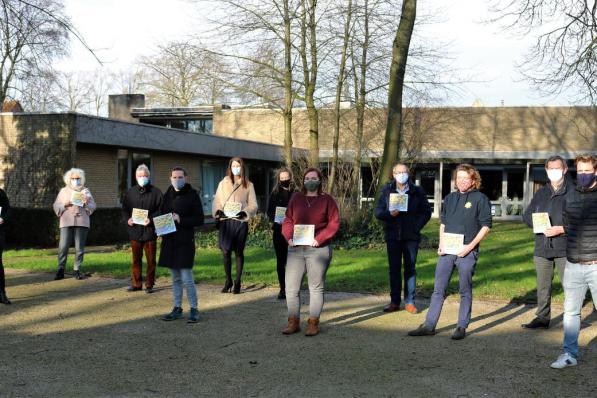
column 505, row 269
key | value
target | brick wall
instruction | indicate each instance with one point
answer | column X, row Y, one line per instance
column 35, row 150
column 100, row 166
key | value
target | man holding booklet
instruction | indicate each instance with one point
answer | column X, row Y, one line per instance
column 140, row 205
column 465, row 222
column 404, row 210
column 544, row 215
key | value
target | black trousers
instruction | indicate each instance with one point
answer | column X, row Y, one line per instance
column 281, row 249
column 2, row 278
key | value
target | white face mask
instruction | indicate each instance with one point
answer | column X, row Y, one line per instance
column 401, row 178
column 555, row 175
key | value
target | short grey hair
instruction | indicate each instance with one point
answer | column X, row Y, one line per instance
column 556, row 158
column 72, row 171
column 143, row 167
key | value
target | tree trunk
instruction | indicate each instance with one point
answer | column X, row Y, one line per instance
column 393, row 138
column 309, row 61
column 339, row 86
column 288, row 93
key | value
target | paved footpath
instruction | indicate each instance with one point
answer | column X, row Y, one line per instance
column 92, row 338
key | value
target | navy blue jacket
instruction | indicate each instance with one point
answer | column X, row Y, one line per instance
column 466, row 213
column 406, row 225
column 546, row 200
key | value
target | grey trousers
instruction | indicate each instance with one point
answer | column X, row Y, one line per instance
column 544, row 268
column 314, row 261
column 67, row 235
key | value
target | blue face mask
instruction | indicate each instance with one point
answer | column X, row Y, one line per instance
column 178, row 183
column 75, row 183
column 235, row 171
column 142, row 181
column 585, row 180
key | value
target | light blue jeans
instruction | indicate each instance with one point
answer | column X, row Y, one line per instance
column 180, row 278
column 577, row 279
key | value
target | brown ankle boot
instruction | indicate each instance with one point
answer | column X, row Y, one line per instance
column 312, row 327
column 294, row 325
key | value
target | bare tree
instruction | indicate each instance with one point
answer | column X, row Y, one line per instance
column 564, row 55
column 32, row 34
column 400, row 50
column 74, row 91
column 37, row 93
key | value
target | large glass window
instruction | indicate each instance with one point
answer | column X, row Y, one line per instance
column 428, row 182
column 491, row 183
column 127, row 166
column 515, row 184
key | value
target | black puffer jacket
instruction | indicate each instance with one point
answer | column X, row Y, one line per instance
column 580, row 223
column 546, row 200
column 4, row 212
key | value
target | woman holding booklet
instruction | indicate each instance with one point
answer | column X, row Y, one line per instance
column 234, row 203
column 312, row 219
column 140, row 205
column 73, row 205
column 465, row 222
column 182, row 212
column 276, row 211
column 404, row 210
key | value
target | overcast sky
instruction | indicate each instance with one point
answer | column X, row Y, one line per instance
column 120, row 30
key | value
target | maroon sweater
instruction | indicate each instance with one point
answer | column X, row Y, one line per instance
column 321, row 211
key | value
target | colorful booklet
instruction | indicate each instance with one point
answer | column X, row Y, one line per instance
column 540, row 222
column 164, row 224
column 303, row 234
column 77, row 198
column 231, row 209
column 139, row 216
column 280, row 215
column 398, row 202
column 453, row 243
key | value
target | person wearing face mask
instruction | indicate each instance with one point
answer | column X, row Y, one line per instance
column 177, row 251
column 235, row 193
column 144, row 196
column 580, row 272
column 74, row 210
column 550, row 246
column 281, row 194
column 316, row 211
column 402, row 235
column 465, row 212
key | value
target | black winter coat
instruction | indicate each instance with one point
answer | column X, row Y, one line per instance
column 278, row 199
column 406, row 225
column 146, row 198
column 178, row 248
column 5, row 213
column 546, row 200
column 580, row 224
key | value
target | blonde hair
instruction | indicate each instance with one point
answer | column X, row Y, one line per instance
column 72, row 171
column 472, row 172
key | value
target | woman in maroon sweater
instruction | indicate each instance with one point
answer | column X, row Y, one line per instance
column 312, row 220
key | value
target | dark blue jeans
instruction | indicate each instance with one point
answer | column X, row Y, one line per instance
column 443, row 272
column 397, row 251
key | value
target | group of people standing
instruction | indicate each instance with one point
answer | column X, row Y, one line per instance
column 305, row 219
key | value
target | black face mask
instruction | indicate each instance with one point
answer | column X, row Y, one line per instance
column 285, row 184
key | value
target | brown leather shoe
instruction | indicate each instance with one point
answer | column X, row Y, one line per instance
column 312, row 327
column 294, row 325
column 391, row 307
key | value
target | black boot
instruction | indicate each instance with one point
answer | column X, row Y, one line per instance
column 79, row 275
column 59, row 274
column 236, row 289
column 227, row 286
column 4, row 298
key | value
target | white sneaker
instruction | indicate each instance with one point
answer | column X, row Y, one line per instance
column 564, row 361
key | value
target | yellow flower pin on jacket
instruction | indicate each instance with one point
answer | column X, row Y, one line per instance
column 468, row 205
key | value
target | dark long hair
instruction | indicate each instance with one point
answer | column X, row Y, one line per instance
column 309, row 170
column 243, row 179
column 277, row 183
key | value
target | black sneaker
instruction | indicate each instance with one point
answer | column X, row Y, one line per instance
column 282, row 295
column 176, row 313
column 149, row 290
column 536, row 323
column 79, row 275
column 4, row 298
column 459, row 333
column 193, row 316
column 422, row 330
column 133, row 289
column 59, row 274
